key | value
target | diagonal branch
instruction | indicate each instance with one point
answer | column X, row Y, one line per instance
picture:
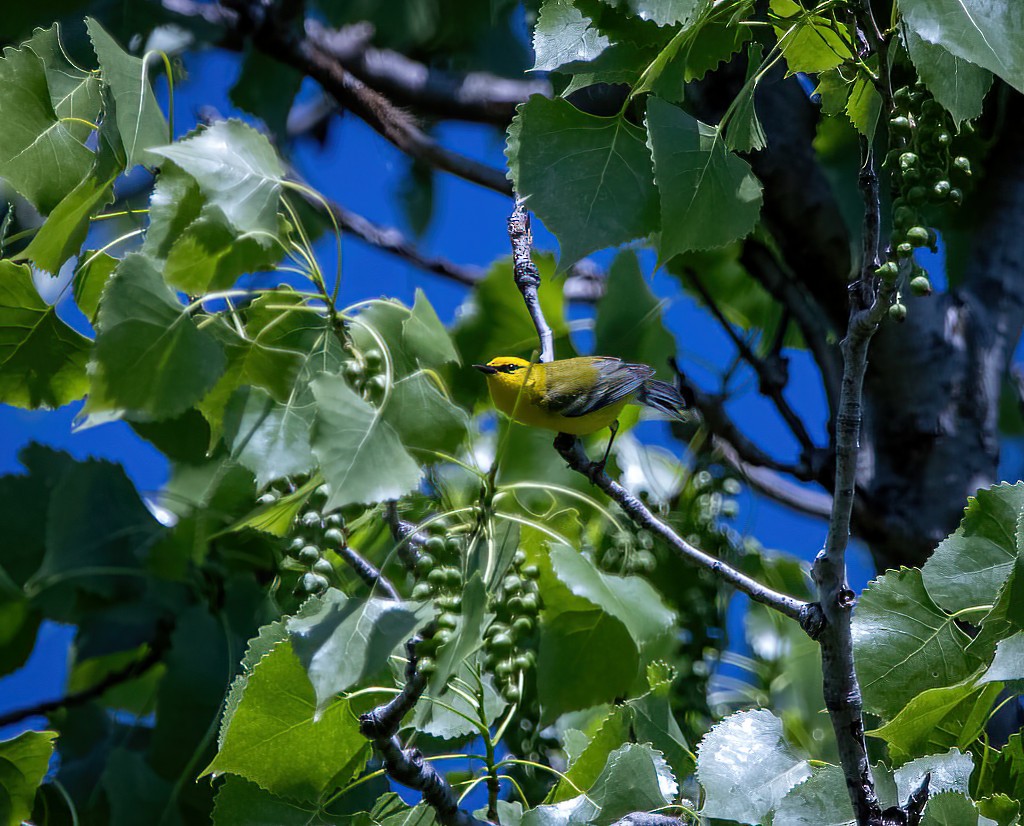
column 527, row 277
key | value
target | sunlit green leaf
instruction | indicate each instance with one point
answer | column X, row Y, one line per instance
column 584, row 770
column 76, row 94
column 274, row 740
column 904, row 643
column 154, row 361
column 957, row 84
column 360, row 455
column 425, row 336
column 810, row 42
column 950, row 772
column 33, row 135
column 270, row 438
column 42, row 360
column 1008, row 663
column 747, row 751
column 140, row 123
column 564, row 35
column 23, row 763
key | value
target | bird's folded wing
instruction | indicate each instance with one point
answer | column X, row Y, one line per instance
column 577, row 395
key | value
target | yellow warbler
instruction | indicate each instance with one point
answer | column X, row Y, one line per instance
column 576, row 396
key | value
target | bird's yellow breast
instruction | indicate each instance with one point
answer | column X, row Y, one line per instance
column 520, row 395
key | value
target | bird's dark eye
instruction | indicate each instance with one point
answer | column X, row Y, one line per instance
column 508, row 368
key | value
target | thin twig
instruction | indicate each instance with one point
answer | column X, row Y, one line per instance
column 772, row 374
column 407, row 766
column 132, row 671
column 409, row 542
column 366, row 570
column 527, row 276
column 572, row 451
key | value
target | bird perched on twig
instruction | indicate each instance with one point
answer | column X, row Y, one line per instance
column 577, row 396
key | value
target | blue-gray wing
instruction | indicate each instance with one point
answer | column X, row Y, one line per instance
column 573, row 393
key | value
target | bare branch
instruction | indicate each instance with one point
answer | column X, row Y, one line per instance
column 572, row 451
column 476, row 96
column 527, row 277
column 366, row 570
column 772, row 373
column 409, row 542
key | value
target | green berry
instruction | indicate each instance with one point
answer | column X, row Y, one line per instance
column 521, row 627
column 943, row 139
column 898, row 313
column 518, row 558
column 530, row 604
column 297, row 544
column 504, row 669
column 956, row 196
column 901, row 97
column 323, row 567
column 530, row 571
column 911, row 176
column 434, row 545
column 904, row 250
column 917, row 195
column 425, row 564
column 374, row 359
column 421, row 591
column 314, row 583
column 453, row 577
column 437, row 577
column 941, row 190
column 449, row 602
column 268, row 498
column 334, row 537
column 353, row 371
column 900, row 124
column 494, row 629
column 322, row 493
column 311, row 519
column 444, row 636
column 309, row 554
column 888, row 272
column 448, row 620
column 920, row 285
column 514, row 605
column 904, row 216
column 524, row 661
column 376, row 385
column 512, row 584
column 908, row 159
column 335, row 520
column 917, row 236
column 426, row 666
column 962, row 164
column 511, row 693
column 500, row 644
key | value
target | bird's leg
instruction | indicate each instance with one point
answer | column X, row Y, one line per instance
column 599, row 467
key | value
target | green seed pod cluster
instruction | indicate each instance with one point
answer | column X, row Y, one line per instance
column 516, row 605
column 364, row 373
column 314, row 532
column 924, row 172
column 439, row 577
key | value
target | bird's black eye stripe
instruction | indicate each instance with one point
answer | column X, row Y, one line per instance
column 509, row 368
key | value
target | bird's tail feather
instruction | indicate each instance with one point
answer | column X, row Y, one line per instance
column 662, row 396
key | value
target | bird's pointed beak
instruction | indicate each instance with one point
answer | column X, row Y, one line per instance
column 486, row 368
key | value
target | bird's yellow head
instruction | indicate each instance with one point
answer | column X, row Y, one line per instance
column 506, row 371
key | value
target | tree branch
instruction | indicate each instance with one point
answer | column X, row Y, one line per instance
column 477, row 96
column 366, row 570
column 527, row 277
column 134, row 670
column 409, row 542
column 772, row 374
column 407, row 766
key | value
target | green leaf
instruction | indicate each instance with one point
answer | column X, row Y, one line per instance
column 586, row 768
column 19, row 621
column 809, row 43
column 864, row 106
column 94, row 270
column 447, row 718
column 635, row 779
column 747, row 751
column 278, row 518
column 75, row 93
column 359, row 453
column 834, row 90
column 744, row 132
column 662, row 12
column 937, row 719
column 1006, row 616
column 266, row 88
column 709, row 197
column 820, row 800
column 466, row 639
column 957, row 84
column 629, row 599
column 654, row 722
column 423, row 416
column 1000, row 809
column 341, row 641
column 140, row 123
column 425, row 336
column 269, row 438
column 950, row 772
column 42, row 360
column 241, row 803
column 563, row 35
column 949, row 809
column 629, row 318
column 23, row 764
column 238, row 171
column 1008, row 771
column 1008, row 663
column 969, row 566
column 978, row 31
column 64, row 231
column 174, row 204
column 587, row 178
column 33, row 135
column 97, row 528
column 152, row 359
column 273, row 739
column 904, row 643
